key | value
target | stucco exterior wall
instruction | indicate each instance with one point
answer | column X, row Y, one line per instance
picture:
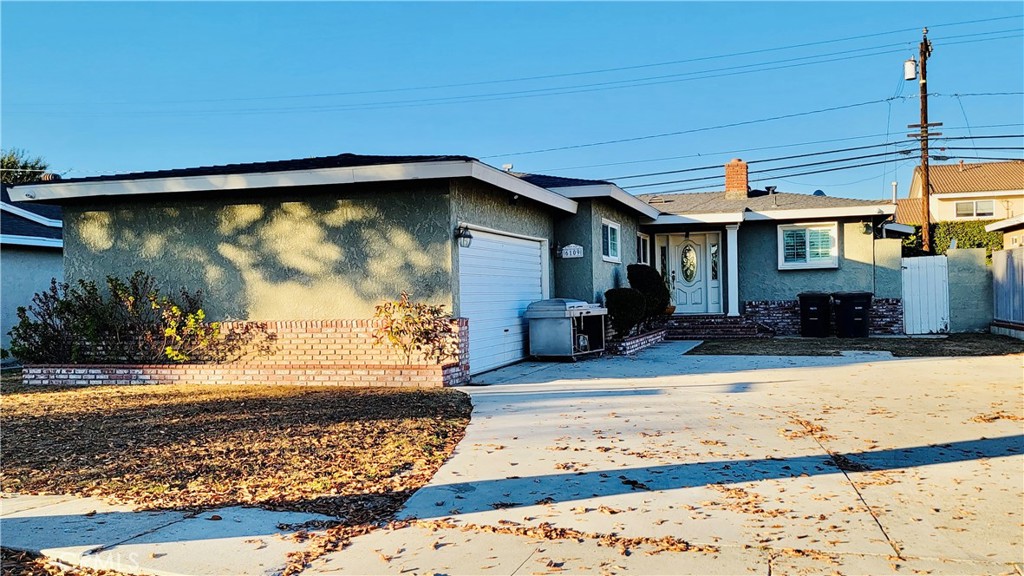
column 478, row 203
column 761, row 279
column 574, row 277
column 608, row 275
column 888, row 268
column 24, row 270
column 970, row 290
column 944, row 208
column 329, row 252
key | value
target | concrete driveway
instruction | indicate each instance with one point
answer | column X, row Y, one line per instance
column 672, row 464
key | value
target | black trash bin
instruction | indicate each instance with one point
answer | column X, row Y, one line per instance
column 815, row 314
column 853, row 313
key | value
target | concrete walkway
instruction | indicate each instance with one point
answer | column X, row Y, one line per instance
column 565, row 466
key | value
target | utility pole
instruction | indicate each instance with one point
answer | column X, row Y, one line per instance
column 926, row 51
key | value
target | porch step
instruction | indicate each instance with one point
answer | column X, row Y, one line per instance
column 708, row 326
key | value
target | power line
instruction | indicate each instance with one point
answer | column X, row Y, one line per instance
column 592, row 72
column 823, row 152
column 690, row 131
column 774, row 147
column 833, row 161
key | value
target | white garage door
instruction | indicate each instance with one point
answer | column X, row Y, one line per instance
column 499, row 276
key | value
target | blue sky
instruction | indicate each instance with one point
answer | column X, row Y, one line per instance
column 100, row 88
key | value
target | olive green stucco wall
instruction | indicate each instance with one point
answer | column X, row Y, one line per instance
column 574, row 277
column 864, row 265
column 282, row 254
column 608, row 275
column 480, row 204
column 589, row 277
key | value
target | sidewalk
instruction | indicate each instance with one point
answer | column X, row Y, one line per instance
column 89, row 532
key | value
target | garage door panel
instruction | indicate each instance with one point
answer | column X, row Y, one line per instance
column 499, row 276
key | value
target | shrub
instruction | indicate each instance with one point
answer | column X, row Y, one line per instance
column 968, row 234
column 414, row 327
column 625, row 308
column 129, row 322
column 650, row 283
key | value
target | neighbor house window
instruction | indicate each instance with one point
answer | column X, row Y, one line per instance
column 808, row 246
column 977, row 208
column 611, row 235
column 643, row 249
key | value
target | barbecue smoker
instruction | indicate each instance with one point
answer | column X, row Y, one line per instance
column 565, row 327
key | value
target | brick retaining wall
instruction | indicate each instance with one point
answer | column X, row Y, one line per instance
column 634, row 344
column 318, row 352
column 784, row 315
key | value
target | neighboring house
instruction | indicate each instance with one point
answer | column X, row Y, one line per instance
column 329, row 238
column 1012, row 229
column 750, row 253
column 963, row 192
column 30, row 255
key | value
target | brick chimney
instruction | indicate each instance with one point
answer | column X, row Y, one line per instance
column 736, row 185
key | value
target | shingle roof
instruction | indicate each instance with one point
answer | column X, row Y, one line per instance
column 717, row 202
column 338, row 161
column 981, row 177
column 908, row 211
column 17, row 226
column 44, row 210
column 545, row 181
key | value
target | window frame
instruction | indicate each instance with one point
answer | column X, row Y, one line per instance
column 974, row 209
column 831, row 262
column 613, row 256
column 643, row 248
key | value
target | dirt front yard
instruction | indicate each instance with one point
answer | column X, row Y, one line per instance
column 951, row 345
column 352, row 453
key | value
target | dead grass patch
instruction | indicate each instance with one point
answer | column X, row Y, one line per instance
column 953, row 345
column 352, row 453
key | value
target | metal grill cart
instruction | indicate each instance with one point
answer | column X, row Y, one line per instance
column 562, row 327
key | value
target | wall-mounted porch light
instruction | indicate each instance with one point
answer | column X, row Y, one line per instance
column 463, row 236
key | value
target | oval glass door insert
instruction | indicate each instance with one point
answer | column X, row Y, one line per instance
column 689, row 263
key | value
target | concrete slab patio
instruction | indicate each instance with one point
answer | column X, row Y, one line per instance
column 859, row 464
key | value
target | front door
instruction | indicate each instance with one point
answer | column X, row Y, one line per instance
column 695, row 273
column 686, row 274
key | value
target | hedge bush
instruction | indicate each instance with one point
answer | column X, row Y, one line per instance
column 626, row 308
column 129, row 322
column 968, row 234
column 648, row 281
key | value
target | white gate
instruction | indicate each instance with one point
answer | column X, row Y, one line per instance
column 925, row 295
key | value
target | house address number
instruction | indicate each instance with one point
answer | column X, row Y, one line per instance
column 572, row 251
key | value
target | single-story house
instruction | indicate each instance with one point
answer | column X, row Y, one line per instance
column 750, row 253
column 30, row 255
column 328, row 238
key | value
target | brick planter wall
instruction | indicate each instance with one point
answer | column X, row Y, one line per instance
column 784, row 315
column 634, row 344
column 318, row 352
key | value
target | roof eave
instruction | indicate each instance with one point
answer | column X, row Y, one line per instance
column 834, row 212
column 63, row 191
column 37, row 241
column 610, row 191
column 1006, row 223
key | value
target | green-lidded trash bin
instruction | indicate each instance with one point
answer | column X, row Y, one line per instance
column 853, row 314
column 815, row 314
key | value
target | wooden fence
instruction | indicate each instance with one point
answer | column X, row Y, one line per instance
column 1008, row 286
